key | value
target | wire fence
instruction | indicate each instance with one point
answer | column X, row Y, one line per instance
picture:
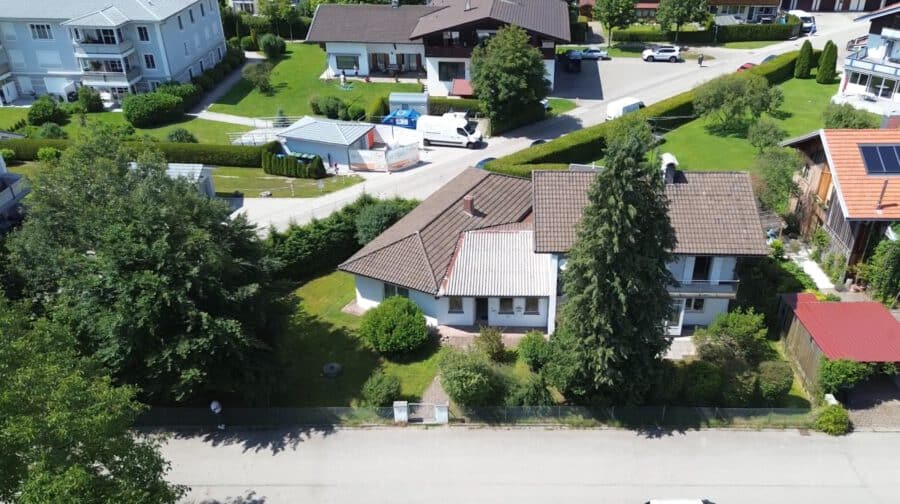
column 172, row 417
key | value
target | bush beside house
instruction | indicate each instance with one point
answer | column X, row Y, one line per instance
column 395, row 326
column 152, row 109
column 381, row 390
column 293, row 166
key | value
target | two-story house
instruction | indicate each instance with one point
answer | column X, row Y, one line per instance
column 115, row 46
column 850, row 186
column 871, row 74
column 490, row 249
column 435, row 40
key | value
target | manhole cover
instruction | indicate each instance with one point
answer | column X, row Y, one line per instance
column 331, row 370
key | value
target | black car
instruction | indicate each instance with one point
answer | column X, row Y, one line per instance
column 481, row 164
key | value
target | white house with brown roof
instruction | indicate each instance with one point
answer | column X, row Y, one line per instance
column 434, row 40
column 490, row 249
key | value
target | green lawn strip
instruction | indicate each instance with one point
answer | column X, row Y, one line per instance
column 699, row 150
column 797, row 397
column 9, row 116
column 320, row 333
column 560, row 106
column 295, row 79
column 750, row 44
column 252, row 181
column 29, row 169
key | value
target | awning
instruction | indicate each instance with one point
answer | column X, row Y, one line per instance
column 646, row 5
column 461, row 87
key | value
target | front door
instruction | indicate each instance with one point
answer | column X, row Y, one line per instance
column 481, row 311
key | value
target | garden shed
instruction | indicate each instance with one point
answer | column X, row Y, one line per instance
column 856, row 331
column 408, row 101
column 331, row 140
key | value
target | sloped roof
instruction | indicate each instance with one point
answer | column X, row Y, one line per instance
column 314, row 129
column 863, row 332
column 547, row 17
column 498, row 262
column 416, row 251
column 365, row 23
column 133, row 10
column 108, row 16
column 886, row 11
column 713, row 213
column 858, row 190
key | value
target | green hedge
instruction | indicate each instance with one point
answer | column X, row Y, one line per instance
column 27, row 148
column 726, row 33
column 746, row 32
column 439, row 105
column 188, row 92
column 152, row 109
column 376, row 109
column 588, row 144
column 528, row 115
column 293, row 166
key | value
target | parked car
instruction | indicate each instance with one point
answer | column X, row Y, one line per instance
column 768, row 58
column 539, row 141
column 594, row 53
column 662, row 53
column 745, row 67
column 448, row 129
column 481, row 164
column 622, row 106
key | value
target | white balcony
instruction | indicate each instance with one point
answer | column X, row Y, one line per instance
column 93, row 78
column 705, row 288
column 95, row 48
column 860, row 60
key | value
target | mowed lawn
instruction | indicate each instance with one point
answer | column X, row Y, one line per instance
column 698, row 149
column 252, row 181
column 320, row 333
column 295, row 79
column 212, row 132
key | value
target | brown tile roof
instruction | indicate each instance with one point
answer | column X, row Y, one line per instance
column 713, row 213
column 547, row 17
column 365, row 23
column 859, row 191
column 416, row 251
column 744, row 2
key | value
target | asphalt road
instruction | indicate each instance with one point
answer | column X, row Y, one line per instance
column 620, row 77
column 461, row 465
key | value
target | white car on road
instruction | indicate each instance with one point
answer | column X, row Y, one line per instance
column 662, row 53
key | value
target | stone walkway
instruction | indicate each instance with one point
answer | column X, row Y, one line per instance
column 435, row 393
column 812, row 269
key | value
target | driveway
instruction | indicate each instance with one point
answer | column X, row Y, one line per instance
column 875, row 404
column 584, row 85
column 523, row 466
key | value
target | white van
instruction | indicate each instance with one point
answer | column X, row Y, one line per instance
column 622, row 106
column 807, row 20
column 450, row 129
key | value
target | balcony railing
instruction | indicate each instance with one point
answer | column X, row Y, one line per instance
column 860, row 60
column 4, row 67
column 705, row 288
column 85, row 48
column 448, row 52
column 16, row 189
column 112, row 77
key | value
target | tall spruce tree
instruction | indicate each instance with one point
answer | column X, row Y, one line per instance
column 616, row 277
column 827, row 64
column 804, row 61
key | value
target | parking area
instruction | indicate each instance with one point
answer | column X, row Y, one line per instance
column 584, row 85
column 875, row 404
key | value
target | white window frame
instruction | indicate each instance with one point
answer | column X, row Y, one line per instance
column 512, row 306
column 36, row 31
column 694, row 305
column 149, row 64
column 146, row 31
column 453, row 300
column 537, row 306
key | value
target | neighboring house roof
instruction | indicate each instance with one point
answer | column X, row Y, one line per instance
column 365, row 23
column 547, row 17
column 857, row 190
column 6, row 135
column 416, row 251
column 133, row 10
column 193, row 172
column 713, row 213
column 863, row 332
column 313, row 129
column 887, row 11
column 498, row 262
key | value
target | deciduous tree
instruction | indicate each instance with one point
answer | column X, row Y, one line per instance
column 776, row 167
column 614, row 14
column 680, row 13
column 844, row 116
column 731, row 98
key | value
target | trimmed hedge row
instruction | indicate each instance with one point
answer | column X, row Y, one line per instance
column 376, row 109
column 527, row 115
column 588, row 144
column 438, row 105
column 293, row 166
column 224, row 155
column 726, row 33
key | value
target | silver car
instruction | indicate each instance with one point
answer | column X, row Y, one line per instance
column 595, row 53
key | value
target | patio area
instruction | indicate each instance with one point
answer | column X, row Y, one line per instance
column 377, row 77
column 463, row 336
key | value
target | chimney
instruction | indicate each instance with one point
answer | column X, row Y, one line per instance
column 468, row 5
column 878, row 206
column 468, row 204
column 669, row 165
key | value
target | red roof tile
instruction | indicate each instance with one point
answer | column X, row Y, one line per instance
column 461, row 87
column 859, row 190
column 863, row 332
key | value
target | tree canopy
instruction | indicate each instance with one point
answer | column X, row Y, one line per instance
column 729, row 99
column 150, row 277
column 65, row 427
column 681, row 12
column 844, row 116
column 776, row 184
column 508, row 74
column 612, row 326
column 614, row 14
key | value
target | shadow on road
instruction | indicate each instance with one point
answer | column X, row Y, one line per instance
column 549, row 129
column 275, row 440
column 584, row 85
column 249, row 498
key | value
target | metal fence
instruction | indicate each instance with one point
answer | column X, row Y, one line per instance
column 263, row 417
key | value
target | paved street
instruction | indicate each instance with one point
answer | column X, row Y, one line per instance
column 620, row 77
column 460, row 465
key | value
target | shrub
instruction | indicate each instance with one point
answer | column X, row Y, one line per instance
column 259, row 75
column 50, row 130
column 381, row 389
column 49, row 154
column 490, row 342
column 8, row 155
column 272, row 46
column 204, row 81
column 315, row 104
column 702, row 383
column 740, row 389
column 775, row 380
column 188, row 92
column 376, row 109
column 395, row 326
column 827, row 64
column 438, row 105
column 735, row 340
column 777, row 250
column 765, row 133
column 248, row 43
column 89, row 99
column 234, row 42
column 533, row 349
column 844, row 116
column 281, row 120
column 181, row 135
column 840, row 374
column 833, row 420
column 152, row 109
column 469, row 378
column 26, row 149
column 45, row 110
column 356, row 112
column 668, row 384
column 293, row 166
column 331, row 106
column 804, row 61
column 532, row 392
column 884, row 272
column 375, row 219
column 526, row 115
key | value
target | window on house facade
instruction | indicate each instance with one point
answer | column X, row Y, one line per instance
column 41, row 32
column 391, row 290
column 701, row 268
column 532, row 306
column 187, row 49
column 180, row 24
column 506, row 305
column 447, row 71
column 346, row 62
column 202, row 10
column 455, row 305
column 859, row 78
column 143, row 34
column 149, row 61
column 882, row 87
column 694, row 304
column 451, row 38
column 191, row 15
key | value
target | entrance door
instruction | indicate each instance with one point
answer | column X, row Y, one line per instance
column 481, row 311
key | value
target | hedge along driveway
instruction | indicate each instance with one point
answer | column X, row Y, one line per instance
column 295, row 79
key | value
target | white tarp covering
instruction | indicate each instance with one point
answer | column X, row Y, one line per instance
column 384, row 159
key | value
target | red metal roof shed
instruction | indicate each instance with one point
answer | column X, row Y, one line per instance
column 863, row 332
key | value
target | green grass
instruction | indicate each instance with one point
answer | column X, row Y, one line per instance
column 320, row 333
column 560, row 106
column 296, row 78
column 797, row 397
column 10, row 116
column 28, row 169
column 252, row 181
column 699, row 150
column 750, row 44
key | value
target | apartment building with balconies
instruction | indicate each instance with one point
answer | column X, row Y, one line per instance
column 872, row 73
column 115, row 46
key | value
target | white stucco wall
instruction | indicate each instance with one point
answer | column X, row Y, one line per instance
column 436, row 87
column 518, row 318
column 428, row 304
column 711, row 308
column 369, row 292
column 466, row 318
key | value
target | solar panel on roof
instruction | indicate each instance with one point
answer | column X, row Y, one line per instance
column 871, row 159
column 889, row 159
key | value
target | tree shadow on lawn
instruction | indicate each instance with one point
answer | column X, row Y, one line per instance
column 781, row 115
column 734, row 128
column 236, row 94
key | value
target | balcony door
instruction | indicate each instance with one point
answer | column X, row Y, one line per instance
column 702, row 267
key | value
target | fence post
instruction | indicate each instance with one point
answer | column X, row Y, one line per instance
column 442, row 413
column 401, row 412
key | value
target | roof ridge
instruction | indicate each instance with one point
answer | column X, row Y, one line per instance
column 437, row 286
column 350, row 260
